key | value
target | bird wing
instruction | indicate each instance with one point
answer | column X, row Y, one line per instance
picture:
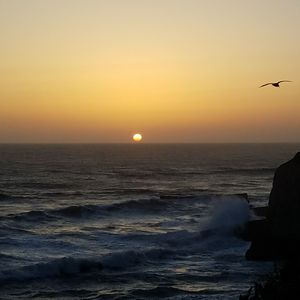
column 266, row 84
column 284, row 81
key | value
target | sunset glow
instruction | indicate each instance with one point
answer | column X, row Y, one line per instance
column 184, row 71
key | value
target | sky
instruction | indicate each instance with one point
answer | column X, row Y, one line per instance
column 98, row 71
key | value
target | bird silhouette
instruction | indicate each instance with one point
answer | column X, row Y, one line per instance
column 275, row 84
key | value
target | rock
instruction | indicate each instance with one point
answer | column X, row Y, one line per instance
column 270, row 249
column 278, row 235
column 262, row 244
column 281, row 284
column 256, row 229
column 284, row 201
column 261, row 211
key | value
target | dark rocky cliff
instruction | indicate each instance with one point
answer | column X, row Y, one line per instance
column 278, row 236
column 284, row 203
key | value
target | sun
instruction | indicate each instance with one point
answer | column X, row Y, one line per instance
column 137, row 137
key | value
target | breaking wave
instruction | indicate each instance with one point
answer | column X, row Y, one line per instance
column 227, row 205
column 69, row 266
column 226, row 216
column 145, row 206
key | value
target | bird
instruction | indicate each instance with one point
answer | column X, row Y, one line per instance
column 275, row 84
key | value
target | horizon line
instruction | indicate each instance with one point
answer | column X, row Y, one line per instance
column 141, row 143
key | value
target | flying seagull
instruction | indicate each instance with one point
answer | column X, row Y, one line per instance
column 276, row 84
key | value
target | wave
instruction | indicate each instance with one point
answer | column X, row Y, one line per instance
column 4, row 196
column 109, row 264
column 57, row 194
column 30, row 216
column 145, row 205
column 152, row 205
column 57, row 268
column 162, row 204
column 63, row 294
column 227, row 214
column 77, row 211
column 6, row 230
column 69, row 266
column 80, row 211
column 127, row 191
column 178, row 195
column 62, row 194
column 162, row 292
column 4, row 256
column 46, row 185
column 246, row 171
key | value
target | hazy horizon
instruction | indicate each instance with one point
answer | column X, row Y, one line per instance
column 175, row 71
column 149, row 143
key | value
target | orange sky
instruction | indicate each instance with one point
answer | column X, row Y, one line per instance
column 174, row 70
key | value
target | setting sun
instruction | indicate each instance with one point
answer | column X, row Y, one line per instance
column 137, row 137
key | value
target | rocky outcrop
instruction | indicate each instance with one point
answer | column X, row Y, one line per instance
column 278, row 235
column 282, row 284
column 284, row 202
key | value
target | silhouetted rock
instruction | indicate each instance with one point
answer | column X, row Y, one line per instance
column 284, row 203
column 282, row 284
column 278, row 235
column 261, row 211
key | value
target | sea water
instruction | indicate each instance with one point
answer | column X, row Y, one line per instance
column 131, row 221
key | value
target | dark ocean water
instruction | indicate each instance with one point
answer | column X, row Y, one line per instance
column 136, row 221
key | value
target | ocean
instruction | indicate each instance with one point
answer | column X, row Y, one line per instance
column 131, row 221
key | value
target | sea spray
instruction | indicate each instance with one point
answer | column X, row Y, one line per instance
column 229, row 212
